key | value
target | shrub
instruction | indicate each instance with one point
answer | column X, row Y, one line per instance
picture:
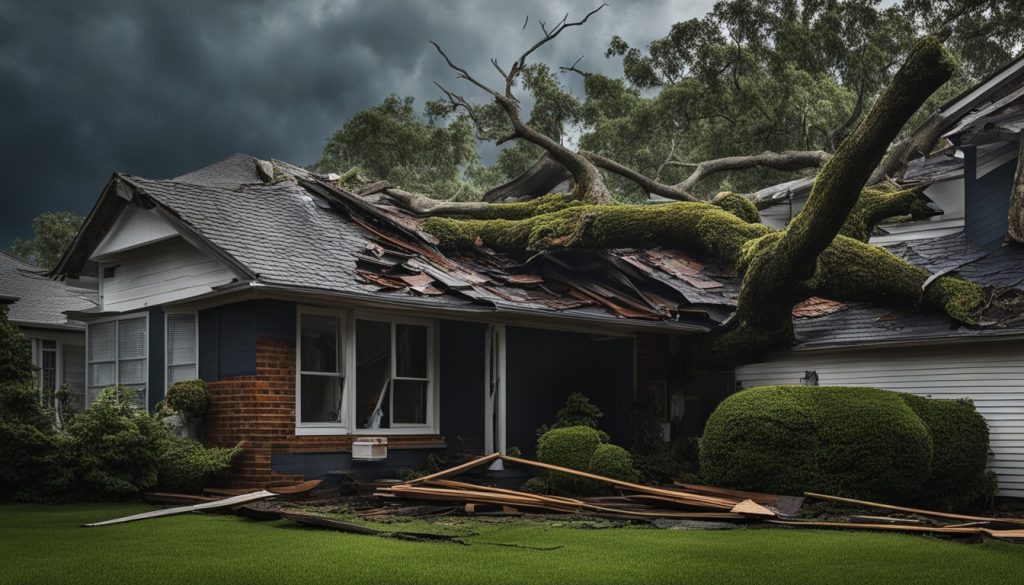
column 577, row 412
column 185, row 466
column 570, row 447
column 190, row 398
column 33, row 457
column 614, row 462
column 116, row 446
column 960, row 440
column 15, row 353
column 856, row 442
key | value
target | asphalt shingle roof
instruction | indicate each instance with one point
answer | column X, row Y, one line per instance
column 41, row 301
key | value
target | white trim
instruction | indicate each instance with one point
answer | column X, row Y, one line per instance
column 433, row 405
column 117, row 352
column 494, row 373
column 167, row 347
column 323, row 428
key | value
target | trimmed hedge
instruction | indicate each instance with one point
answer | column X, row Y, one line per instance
column 190, row 398
column 855, row 442
column 614, row 462
column 570, row 447
column 961, row 444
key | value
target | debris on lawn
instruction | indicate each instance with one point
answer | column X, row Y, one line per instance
column 683, row 506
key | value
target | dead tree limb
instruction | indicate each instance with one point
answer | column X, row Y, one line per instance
column 590, row 184
column 1015, row 230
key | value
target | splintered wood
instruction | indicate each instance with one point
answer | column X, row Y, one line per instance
column 643, row 503
column 682, row 502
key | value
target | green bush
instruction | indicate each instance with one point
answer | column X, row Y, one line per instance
column 570, row 447
column 960, row 439
column 185, row 466
column 577, row 412
column 856, row 442
column 190, row 398
column 15, row 353
column 614, row 462
column 115, row 446
column 33, row 457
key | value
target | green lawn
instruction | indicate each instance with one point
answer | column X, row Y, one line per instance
column 43, row 544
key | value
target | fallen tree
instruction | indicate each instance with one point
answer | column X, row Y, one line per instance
column 822, row 252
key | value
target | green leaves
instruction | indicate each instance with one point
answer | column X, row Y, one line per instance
column 54, row 232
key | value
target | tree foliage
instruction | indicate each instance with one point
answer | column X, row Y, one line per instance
column 54, row 232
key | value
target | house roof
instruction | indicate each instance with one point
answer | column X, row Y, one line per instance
column 863, row 323
column 38, row 301
column 304, row 233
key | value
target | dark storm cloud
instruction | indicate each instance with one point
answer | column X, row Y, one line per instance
column 158, row 89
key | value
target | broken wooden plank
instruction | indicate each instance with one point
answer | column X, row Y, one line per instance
column 679, row 496
column 223, row 503
column 179, row 499
column 752, row 508
column 288, row 490
column 891, row 527
column 453, row 470
column 351, row 528
column 932, row 513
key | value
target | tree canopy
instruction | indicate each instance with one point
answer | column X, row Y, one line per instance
column 54, row 231
column 750, row 76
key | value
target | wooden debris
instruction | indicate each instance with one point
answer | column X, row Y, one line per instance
column 179, row 499
column 351, row 528
column 288, row 490
column 930, row 513
column 223, row 503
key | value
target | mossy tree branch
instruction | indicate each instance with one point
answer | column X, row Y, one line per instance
column 878, row 204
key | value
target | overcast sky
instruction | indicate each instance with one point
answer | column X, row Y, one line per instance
column 157, row 89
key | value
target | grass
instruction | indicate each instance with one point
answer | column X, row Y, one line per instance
column 43, row 544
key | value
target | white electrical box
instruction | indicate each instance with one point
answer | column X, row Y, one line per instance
column 370, row 449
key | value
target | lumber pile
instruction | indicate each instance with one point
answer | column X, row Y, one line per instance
column 686, row 502
column 638, row 502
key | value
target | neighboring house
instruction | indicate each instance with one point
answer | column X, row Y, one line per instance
column 318, row 317
column 859, row 344
column 36, row 306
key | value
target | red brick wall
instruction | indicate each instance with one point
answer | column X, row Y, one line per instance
column 259, row 411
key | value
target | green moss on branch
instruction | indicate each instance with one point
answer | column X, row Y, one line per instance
column 876, row 205
column 693, row 225
column 526, row 209
column 737, row 205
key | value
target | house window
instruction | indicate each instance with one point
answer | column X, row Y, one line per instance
column 182, row 347
column 48, row 364
column 73, row 366
column 393, row 374
column 116, row 356
column 321, row 374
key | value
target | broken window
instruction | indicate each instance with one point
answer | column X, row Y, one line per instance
column 393, row 374
column 321, row 374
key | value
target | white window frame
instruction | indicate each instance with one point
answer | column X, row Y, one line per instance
column 347, row 361
column 324, row 428
column 117, row 350
column 167, row 347
column 431, row 424
column 58, row 369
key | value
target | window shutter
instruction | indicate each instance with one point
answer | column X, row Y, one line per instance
column 181, row 347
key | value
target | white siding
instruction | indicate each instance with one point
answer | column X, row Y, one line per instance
column 135, row 227
column 157, row 273
column 990, row 373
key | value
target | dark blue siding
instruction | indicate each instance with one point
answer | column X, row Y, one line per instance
column 987, row 205
column 462, row 384
column 156, row 357
column 228, row 334
column 544, row 367
column 318, row 465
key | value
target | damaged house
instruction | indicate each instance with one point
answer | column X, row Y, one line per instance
column 322, row 316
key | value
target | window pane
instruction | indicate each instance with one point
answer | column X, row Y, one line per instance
column 321, row 399
column 411, row 351
column 319, row 343
column 48, row 365
column 102, row 375
column 131, row 338
column 74, row 374
column 181, row 339
column 179, row 373
column 101, row 342
column 410, row 402
column 131, row 372
column 373, row 373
